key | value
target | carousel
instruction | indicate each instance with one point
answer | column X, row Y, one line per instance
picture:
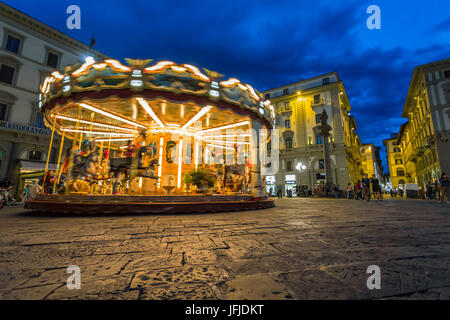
column 151, row 137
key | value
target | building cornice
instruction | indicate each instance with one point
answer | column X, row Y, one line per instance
column 305, row 80
column 46, row 31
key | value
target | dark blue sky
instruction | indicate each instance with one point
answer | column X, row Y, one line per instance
column 271, row 43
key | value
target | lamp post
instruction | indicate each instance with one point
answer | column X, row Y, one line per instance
column 300, row 168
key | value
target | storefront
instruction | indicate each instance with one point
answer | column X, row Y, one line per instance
column 26, row 173
column 290, row 185
column 271, row 187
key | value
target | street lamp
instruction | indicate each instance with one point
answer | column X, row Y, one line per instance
column 300, row 167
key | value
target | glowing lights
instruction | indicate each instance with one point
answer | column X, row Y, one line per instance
column 113, row 140
column 57, row 75
column 117, row 65
column 67, row 88
column 136, row 83
column 110, row 115
column 230, row 82
column 83, row 67
column 89, row 60
column 178, row 69
column 196, row 154
column 215, row 85
column 214, row 93
column 196, row 72
column 219, row 147
column 159, row 66
column 94, row 123
column 180, row 162
column 200, row 114
column 149, row 110
column 238, row 124
column 100, row 133
column 161, row 143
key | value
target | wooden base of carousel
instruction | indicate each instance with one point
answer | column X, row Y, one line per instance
column 153, row 204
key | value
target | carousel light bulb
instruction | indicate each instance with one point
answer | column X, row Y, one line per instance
column 89, row 60
column 94, row 123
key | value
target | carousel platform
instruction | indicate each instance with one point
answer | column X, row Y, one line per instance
column 151, row 204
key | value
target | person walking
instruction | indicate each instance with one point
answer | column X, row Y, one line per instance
column 436, row 190
column 376, row 188
column 280, row 191
column 444, row 187
column 358, row 190
column 366, row 187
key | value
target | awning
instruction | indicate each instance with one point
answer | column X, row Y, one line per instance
column 35, row 165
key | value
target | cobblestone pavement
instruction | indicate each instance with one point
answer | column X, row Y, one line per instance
column 302, row 249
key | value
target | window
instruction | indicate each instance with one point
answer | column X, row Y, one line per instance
column 285, row 91
column 39, row 123
column 325, row 81
column 288, row 142
column 321, row 164
column 317, row 98
column 289, row 165
column 52, row 60
column 35, row 155
column 394, row 143
column 287, row 106
column 287, row 123
column 398, row 161
column 267, row 96
column 318, row 118
column 12, row 44
column 7, row 74
column 319, row 139
column 400, row 173
column 3, row 108
column 447, row 74
column 397, row 150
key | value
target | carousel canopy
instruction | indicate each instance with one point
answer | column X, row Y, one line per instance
column 112, row 101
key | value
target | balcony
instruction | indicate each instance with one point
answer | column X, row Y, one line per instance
column 317, row 103
column 24, row 128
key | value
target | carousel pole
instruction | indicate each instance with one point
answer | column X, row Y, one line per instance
column 58, row 170
column 48, row 154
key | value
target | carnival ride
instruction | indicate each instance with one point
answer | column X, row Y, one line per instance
column 136, row 130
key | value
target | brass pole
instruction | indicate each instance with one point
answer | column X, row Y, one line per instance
column 58, row 163
column 48, row 154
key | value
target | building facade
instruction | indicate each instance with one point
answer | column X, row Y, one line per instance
column 298, row 107
column 371, row 161
column 29, row 52
column 425, row 138
column 397, row 169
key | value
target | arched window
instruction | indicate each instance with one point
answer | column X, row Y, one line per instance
column 35, row 155
column 400, row 173
column 288, row 142
column 397, row 149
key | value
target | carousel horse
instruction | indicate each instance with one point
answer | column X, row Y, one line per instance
column 134, row 166
column 84, row 168
column 234, row 177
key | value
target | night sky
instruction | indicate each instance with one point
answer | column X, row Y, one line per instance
column 272, row 43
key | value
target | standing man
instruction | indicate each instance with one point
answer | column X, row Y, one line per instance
column 366, row 187
column 280, row 191
column 444, row 187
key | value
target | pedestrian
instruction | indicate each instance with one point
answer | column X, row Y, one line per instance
column 366, row 187
column 280, row 191
column 350, row 191
column 358, row 190
column 376, row 188
column 436, row 190
column 444, row 187
column 336, row 191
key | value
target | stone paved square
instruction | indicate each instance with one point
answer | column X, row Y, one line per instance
column 301, row 249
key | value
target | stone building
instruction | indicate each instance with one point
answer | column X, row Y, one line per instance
column 29, row 52
column 298, row 107
column 425, row 138
column 397, row 169
column 371, row 161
